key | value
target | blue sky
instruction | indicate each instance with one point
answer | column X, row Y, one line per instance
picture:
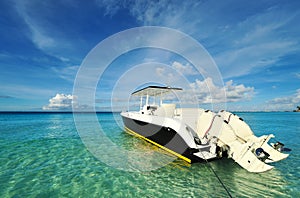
column 255, row 45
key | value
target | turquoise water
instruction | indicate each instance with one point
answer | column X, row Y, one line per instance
column 41, row 155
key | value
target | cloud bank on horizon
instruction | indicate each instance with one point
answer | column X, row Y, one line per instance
column 60, row 102
column 255, row 45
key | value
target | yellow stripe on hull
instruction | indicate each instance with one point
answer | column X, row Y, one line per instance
column 160, row 146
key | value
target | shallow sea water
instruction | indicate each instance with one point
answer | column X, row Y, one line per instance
column 42, row 155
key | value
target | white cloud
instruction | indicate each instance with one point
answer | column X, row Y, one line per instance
column 184, row 69
column 38, row 36
column 294, row 99
column 67, row 73
column 160, row 71
column 61, row 102
column 45, row 34
column 243, row 60
column 180, row 15
column 236, row 93
column 259, row 41
column 240, row 42
column 179, row 69
column 207, row 92
column 284, row 103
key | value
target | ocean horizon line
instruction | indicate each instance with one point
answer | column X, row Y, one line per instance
column 69, row 112
column 66, row 112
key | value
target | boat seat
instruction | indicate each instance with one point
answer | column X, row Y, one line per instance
column 165, row 110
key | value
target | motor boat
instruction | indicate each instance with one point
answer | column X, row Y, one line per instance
column 199, row 135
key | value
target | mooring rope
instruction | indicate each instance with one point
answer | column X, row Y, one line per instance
column 211, row 168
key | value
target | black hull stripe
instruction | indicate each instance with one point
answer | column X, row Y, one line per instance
column 156, row 144
column 163, row 137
